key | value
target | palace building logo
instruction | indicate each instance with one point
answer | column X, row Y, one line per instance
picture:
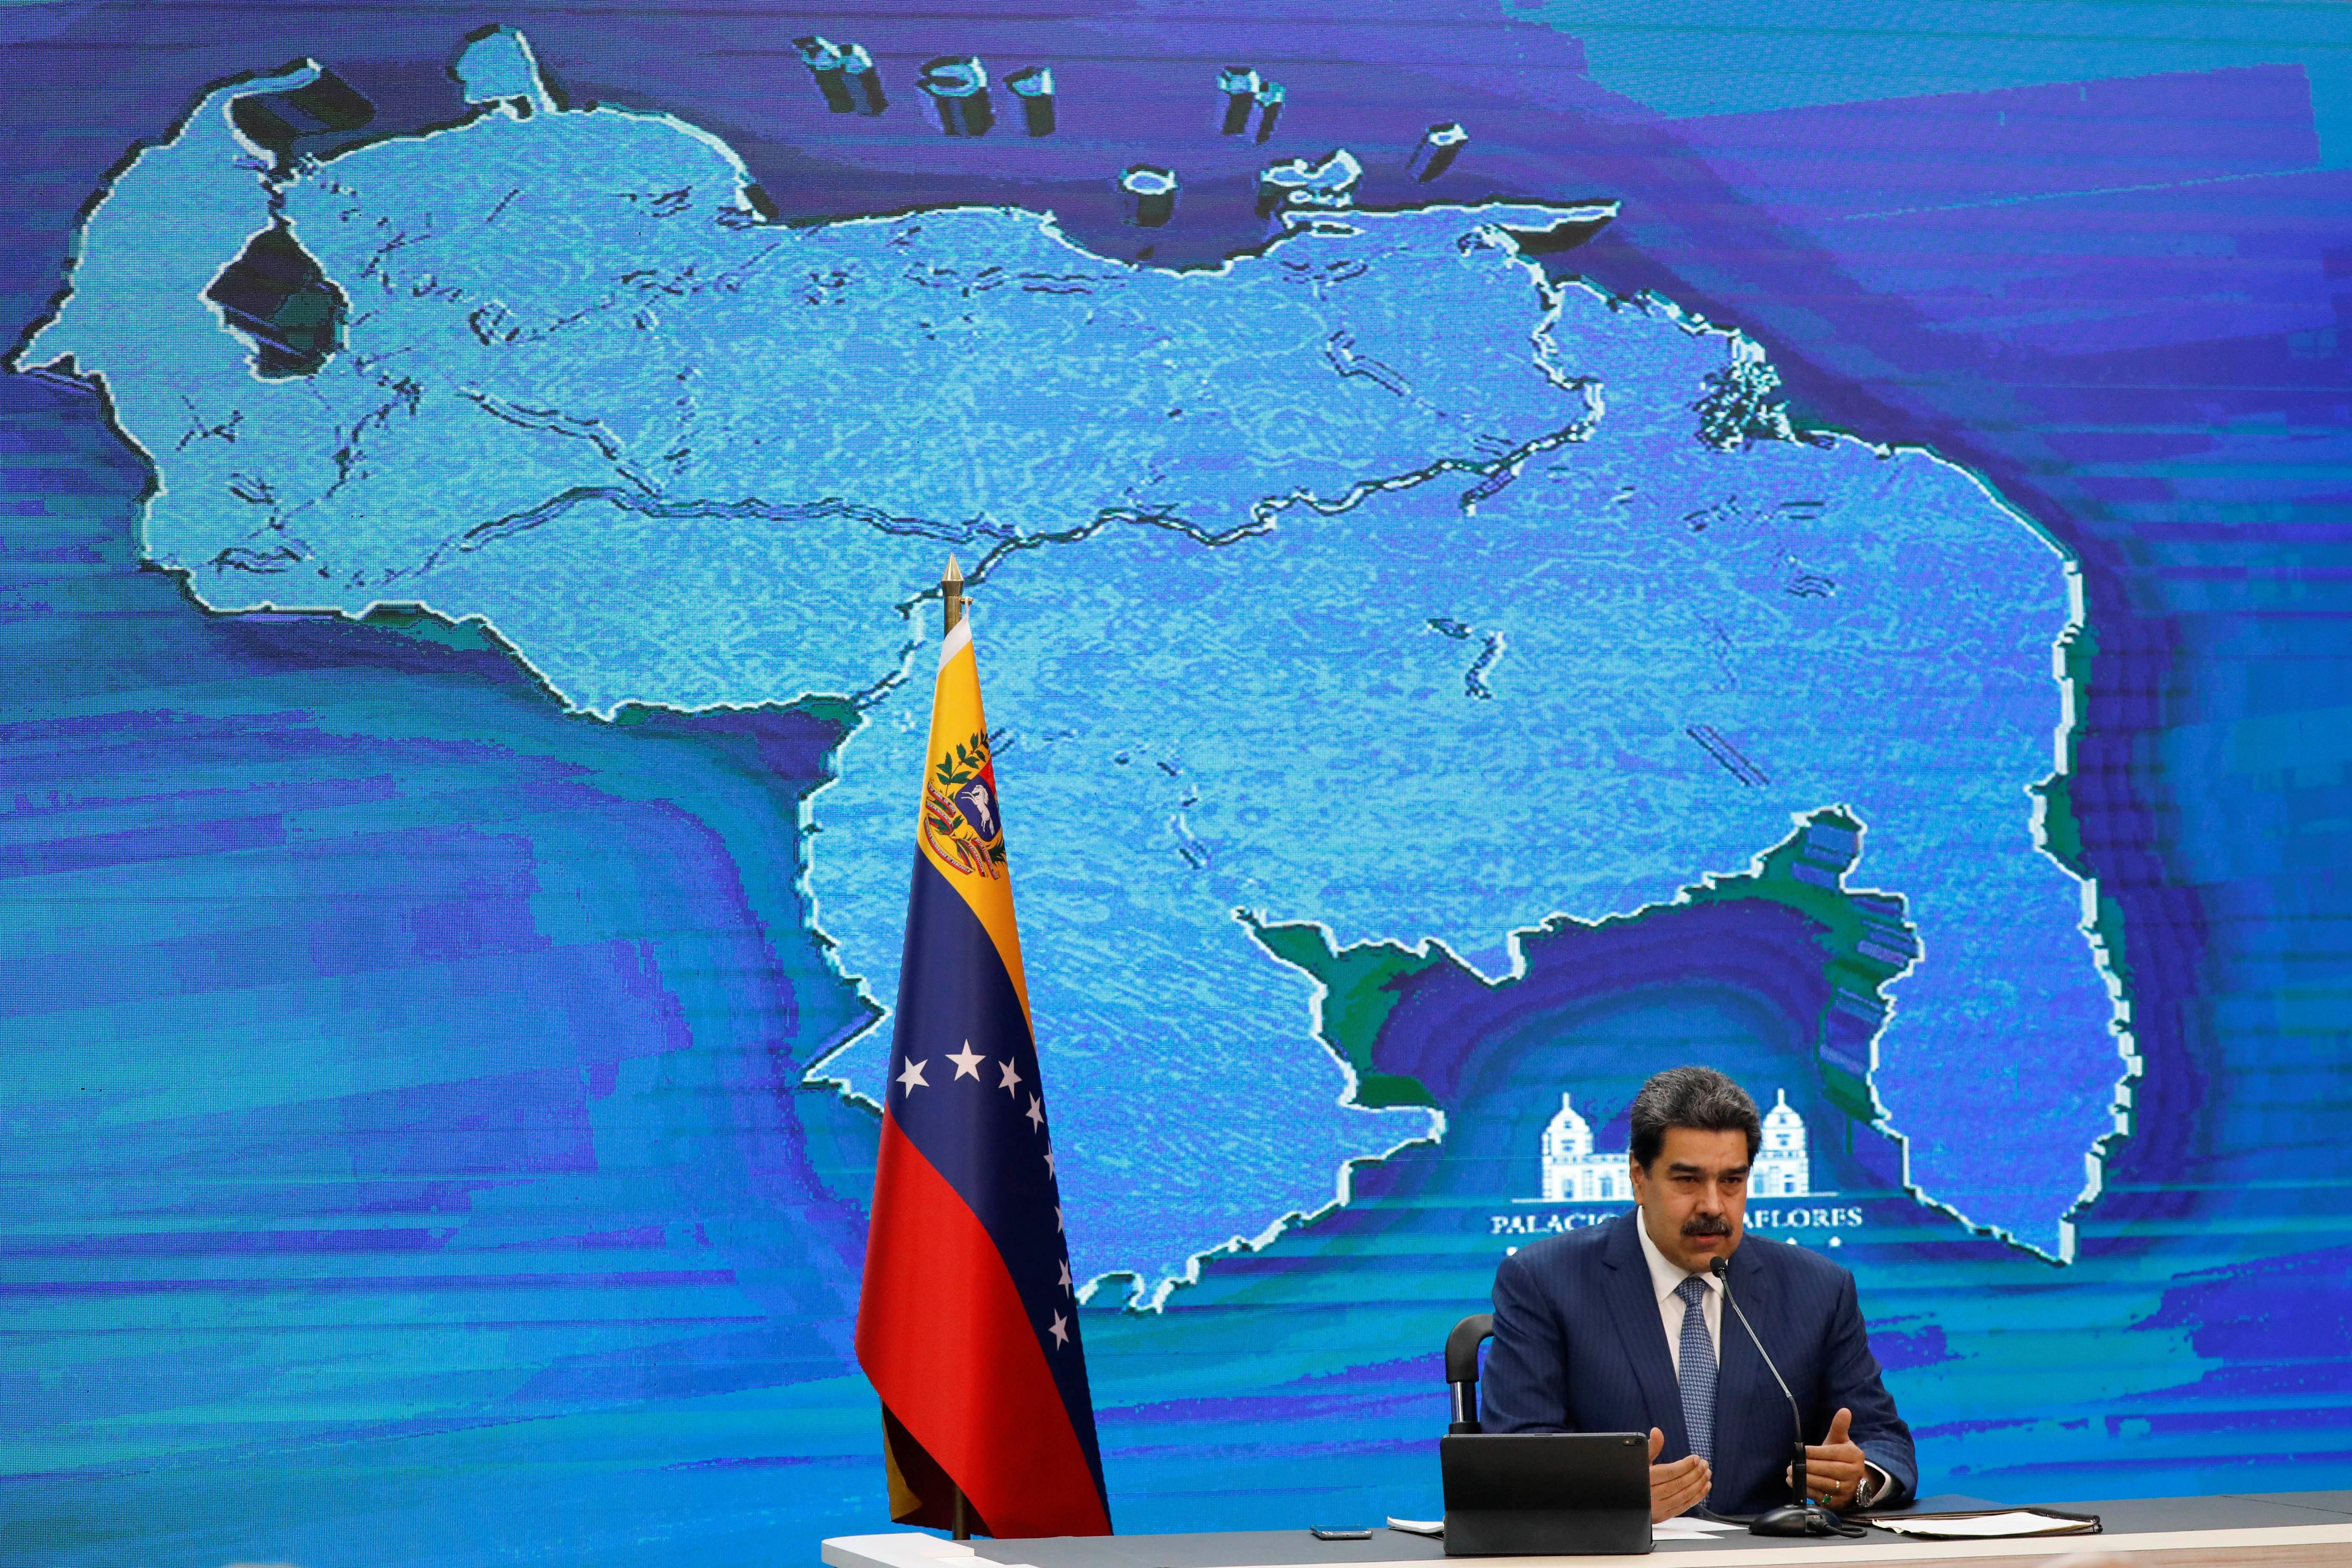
column 1573, row 1172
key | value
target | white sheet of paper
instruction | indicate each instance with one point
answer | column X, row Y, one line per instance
column 1688, row 1529
column 1985, row 1527
column 1419, row 1526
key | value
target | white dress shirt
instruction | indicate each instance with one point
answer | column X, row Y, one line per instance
column 1666, row 1278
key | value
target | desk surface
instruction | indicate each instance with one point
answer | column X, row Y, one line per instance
column 2272, row 1530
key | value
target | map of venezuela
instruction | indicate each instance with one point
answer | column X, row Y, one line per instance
column 1372, row 585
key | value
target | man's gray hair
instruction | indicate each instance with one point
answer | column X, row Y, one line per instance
column 1700, row 1098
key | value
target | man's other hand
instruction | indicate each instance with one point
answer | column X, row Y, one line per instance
column 1834, row 1466
column 1681, row 1485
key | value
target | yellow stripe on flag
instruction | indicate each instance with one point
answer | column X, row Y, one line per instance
column 957, row 827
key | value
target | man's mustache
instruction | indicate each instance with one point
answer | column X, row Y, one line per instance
column 1706, row 1224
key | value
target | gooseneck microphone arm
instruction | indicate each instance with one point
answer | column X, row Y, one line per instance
column 1721, row 1267
column 1801, row 1517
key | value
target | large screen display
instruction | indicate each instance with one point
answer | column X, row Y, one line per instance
column 1511, row 546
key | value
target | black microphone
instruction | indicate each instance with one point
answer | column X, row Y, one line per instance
column 1803, row 1517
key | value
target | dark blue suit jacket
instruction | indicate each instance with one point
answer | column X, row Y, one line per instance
column 1580, row 1347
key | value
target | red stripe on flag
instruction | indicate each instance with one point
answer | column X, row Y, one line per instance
column 943, row 1337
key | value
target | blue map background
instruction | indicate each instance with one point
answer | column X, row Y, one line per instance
column 404, row 1122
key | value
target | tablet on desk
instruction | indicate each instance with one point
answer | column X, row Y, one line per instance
column 1546, row 1493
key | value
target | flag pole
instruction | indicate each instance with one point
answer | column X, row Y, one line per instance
column 951, row 611
column 987, row 1421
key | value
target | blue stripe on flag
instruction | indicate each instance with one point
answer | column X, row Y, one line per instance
column 988, row 1140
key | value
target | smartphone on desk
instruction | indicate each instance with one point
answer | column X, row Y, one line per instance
column 1340, row 1532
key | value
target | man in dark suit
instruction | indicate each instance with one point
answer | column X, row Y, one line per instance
column 1622, row 1328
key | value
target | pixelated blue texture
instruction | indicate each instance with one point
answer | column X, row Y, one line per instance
column 402, row 1151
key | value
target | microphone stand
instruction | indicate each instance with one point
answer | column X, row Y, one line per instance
column 1804, row 1516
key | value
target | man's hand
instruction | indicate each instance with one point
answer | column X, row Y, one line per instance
column 1678, row 1486
column 1834, row 1466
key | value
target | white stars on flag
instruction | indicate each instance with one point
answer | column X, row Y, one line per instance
column 1060, row 1330
column 1011, row 1079
column 968, row 1062
column 912, row 1078
column 1049, row 1165
column 1067, row 1286
column 1036, row 1113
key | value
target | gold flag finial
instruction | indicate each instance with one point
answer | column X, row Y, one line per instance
column 950, row 596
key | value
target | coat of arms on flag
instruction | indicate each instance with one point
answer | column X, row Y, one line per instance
column 968, row 1322
column 960, row 826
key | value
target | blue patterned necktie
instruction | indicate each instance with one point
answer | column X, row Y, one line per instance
column 1697, row 1370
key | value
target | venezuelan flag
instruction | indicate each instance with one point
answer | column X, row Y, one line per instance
column 967, row 1321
